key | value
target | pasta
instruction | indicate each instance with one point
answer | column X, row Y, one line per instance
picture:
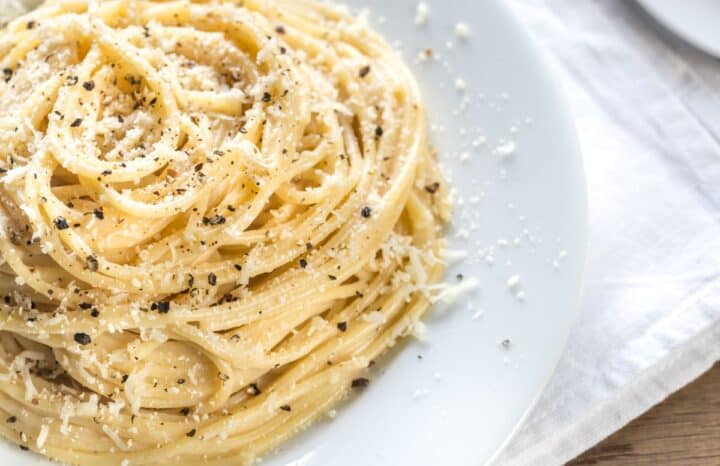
column 214, row 217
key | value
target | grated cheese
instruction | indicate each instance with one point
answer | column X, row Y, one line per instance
column 422, row 14
column 462, row 30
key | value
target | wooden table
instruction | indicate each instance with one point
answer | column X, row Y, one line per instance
column 684, row 430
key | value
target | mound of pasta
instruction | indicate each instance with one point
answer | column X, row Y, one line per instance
column 214, row 217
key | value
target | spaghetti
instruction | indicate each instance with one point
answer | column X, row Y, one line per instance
column 213, row 218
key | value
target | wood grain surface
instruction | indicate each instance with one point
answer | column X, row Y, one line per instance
column 683, row 430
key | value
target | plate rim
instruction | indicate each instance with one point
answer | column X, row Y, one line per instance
column 550, row 72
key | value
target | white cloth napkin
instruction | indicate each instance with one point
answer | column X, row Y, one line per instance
column 648, row 114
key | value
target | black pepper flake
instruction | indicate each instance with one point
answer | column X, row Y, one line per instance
column 266, row 97
column 198, row 167
column 92, row 263
column 254, row 390
column 89, row 85
column 76, row 123
column 72, row 80
column 214, row 220
column 106, row 172
column 191, row 433
column 359, row 294
column 61, row 223
column 124, row 378
column 95, row 313
column 432, row 188
column 180, row 381
column 85, row 306
column 82, row 338
column 8, row 74
column 11, row 420
column 99, row 213
column 303, row 263
column 362, row 382
column 332, row 277
column 31, row 24
column 342, row 326
column 163, row 307
column 24, row 448
column 366, row 212
column 185, row 411
column 379, row 131
column 212, row 279
column 287, row 408
column 238, row 267
column 364, row 71
column 309, row 246
column 280, row 29
column 459, row 277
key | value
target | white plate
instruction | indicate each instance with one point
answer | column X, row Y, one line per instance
column 537, row 196
column 695, row 21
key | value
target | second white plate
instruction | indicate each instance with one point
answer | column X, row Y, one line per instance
column 695, row 21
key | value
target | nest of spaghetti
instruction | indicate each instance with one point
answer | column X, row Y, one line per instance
column 213, row 217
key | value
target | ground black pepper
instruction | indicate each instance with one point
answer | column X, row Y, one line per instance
column 61, row 223
column 214, row 220
column 92, row 263
column 163, row 307
column 362, row 382
column 82, row 338
column 432, row 188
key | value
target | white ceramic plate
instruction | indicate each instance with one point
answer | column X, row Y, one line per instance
column 695, row 21
column 461, row 401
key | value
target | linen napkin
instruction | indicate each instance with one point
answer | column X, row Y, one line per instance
column 648, row 114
